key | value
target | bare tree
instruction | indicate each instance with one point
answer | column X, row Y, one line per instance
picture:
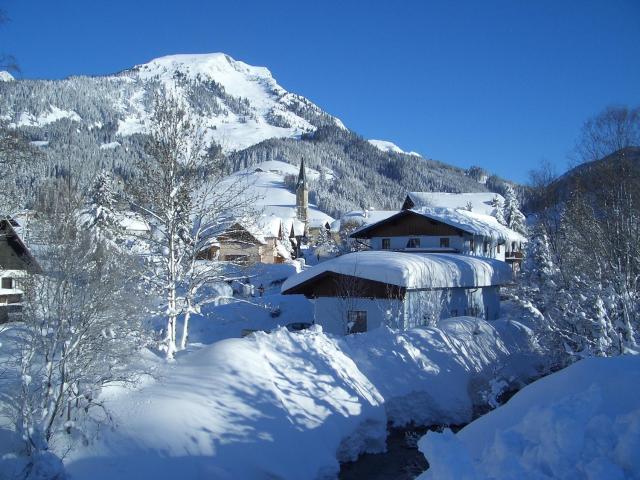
column 614, row 129
column 183, row 193
column 80, row 326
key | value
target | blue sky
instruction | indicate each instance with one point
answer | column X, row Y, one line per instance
column 501, row 84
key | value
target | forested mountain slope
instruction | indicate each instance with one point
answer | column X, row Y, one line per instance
column 82, row 125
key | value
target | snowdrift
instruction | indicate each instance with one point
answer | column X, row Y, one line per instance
column 581, row 422
column 291, row 406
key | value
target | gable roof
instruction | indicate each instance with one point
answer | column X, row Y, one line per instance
column 481, row 202
column 472, row 223
column 15, row 243
column 409, row 270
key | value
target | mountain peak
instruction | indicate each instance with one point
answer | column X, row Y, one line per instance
column 211, row 65
column 6, row 76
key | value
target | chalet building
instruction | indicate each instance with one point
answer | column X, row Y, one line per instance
column 445, row 230
column 248, row 242
column 361, row 291
column 16, row 261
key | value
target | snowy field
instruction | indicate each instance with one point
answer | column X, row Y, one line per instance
column 293, row 405
column 581, row 422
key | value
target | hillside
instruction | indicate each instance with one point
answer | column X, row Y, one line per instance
column 85, row 124
column 590, row 178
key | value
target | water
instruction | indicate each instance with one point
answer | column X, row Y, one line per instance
column 401, row 461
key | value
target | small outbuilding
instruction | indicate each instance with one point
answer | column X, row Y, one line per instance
column 361, row 291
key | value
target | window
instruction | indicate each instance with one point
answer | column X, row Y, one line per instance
column 386, row 243
column 413, row 243
column 237, row 258
column 498, row 248
column 7, row 282
column 444, row 243
column 356, row 321
column 486, row 247
column 472, row 245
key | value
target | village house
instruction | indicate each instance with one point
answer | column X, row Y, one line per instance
column 437, row 229
column 244, row 241
column 16, row 262
column 361, row 291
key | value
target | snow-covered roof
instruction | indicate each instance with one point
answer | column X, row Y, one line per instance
column 481, row 202
column 471, row 222
column 362, row 218
column 411, row 270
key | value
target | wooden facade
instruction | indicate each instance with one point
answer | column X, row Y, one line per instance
column 407, row 223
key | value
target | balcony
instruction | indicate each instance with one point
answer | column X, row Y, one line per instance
column 513, row 256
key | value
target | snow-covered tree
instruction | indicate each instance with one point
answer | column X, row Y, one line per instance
column 498, row 211
column 102, row 216
column 182, row 193
column 81, row 322
column 513, row 217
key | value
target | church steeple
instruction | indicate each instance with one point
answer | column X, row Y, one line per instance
column 302, row 196
column 302, row 176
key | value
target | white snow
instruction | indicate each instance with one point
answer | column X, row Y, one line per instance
column 255, row 85
column 110, row 145
column 474, row 223
column 264, row 185
column 582, row 422
column 387, row 146
column 53, row 115
column 481, row 202
column 291, row 405
column 362, row 217
column 6, row 76
column 412, row 270
column 39, row 143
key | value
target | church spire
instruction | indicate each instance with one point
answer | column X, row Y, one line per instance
column 302, row 176
column 302, row 196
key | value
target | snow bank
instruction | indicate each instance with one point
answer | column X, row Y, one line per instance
column 581, row 422
column 412, row 270
column 291, row 405
column 268, row 406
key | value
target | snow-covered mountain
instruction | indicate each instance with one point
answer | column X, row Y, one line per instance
column 239, row 104
column 6, row 76
column 94, row 123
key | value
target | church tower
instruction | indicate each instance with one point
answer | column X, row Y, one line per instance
column 302, row 196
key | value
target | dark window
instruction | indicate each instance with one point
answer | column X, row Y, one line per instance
column 237, row 258
column 357, row 321
column 444, row 243
column 7, row 282
column 386, row 243
column 413, row 243
column 454, row 313
column 513, row 246
column 498, row 248
column 472, row 245
column 486, row 247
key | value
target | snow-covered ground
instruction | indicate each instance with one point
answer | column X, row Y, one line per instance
column 292, row 405
column 287, row 405
column 581, row 422
column 264, row 186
